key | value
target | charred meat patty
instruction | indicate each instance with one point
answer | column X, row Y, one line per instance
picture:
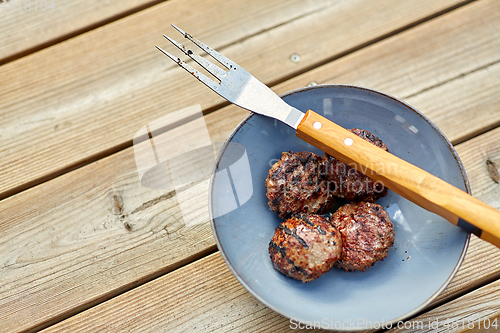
column 346, row 182
column 367, row 234
column 295, row 185
column 305, row 246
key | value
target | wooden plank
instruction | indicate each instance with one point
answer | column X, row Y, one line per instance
column 215, row 299
column 480, row 265
column 421, row 65
column 478, row 311
column 203, row 296
column 484, row 257
column 473, row 310
column 31, row 25
column 90, row 92
column 152, row 305
column 485, row 187
column 75, row 256
column 97, row 231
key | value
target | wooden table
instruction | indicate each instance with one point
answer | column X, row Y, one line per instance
column 84, row 247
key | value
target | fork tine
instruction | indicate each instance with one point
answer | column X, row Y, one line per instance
column 213, row 69
column 200, row 76
column 219, row 57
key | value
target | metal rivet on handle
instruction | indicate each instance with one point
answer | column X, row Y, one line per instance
column 295, row 58
column 348, row 141
column 317, row 125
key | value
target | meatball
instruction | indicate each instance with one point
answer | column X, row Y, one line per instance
column 346, row 182
column 295, row 185
column 367, row 234
column 305, row 246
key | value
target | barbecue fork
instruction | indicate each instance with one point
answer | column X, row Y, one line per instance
column 424, row 189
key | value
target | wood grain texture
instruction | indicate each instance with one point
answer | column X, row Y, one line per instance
column 479, row 267
column 481, row 256
column 478, row 311
column 479, row 150
column 74, row 249
column 30, row 25
column 203, row 296
column 215, row 299
column 90, row 92
column 95, row 232
column 429, row 66
column 214, row 291
column 481, row 304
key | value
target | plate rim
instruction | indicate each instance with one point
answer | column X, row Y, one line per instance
column 415, row 311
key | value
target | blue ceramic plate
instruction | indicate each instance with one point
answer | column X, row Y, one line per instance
column 427, row 251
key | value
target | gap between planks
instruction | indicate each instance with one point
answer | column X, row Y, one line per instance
column 478, row 150
column 81, row 30
column 468, row 313
column 453, row 291
column 225, row 295
column 448, row 297
column 126, row 288
column 223, row 37
column 119, row 147
column 373, row 41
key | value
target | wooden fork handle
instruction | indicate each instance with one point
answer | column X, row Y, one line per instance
column 409, row 181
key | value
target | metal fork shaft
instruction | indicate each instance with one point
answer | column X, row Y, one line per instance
column 228, row 63
column 197, row 74
column 210, row 67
